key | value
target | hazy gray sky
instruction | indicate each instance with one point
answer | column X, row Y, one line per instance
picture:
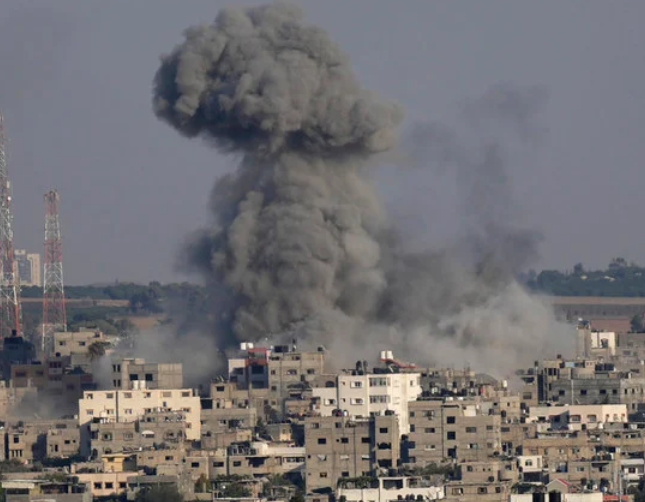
column 75, row 89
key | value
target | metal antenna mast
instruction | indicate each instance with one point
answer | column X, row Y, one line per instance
column 10, row 315
column 54, row 315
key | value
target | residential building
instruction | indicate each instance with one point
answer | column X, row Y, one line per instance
column 38, row 490
column 386, row 489
column 363, row 394
column 454, row 429
column 343, row 447
column 28, row 267
column 131, row 405
column 136, row 373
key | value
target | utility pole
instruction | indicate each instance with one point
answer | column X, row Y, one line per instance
column 54, row 314
column 10, row 312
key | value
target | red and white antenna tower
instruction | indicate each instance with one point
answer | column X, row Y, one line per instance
column 54, row 315
column 10, row 315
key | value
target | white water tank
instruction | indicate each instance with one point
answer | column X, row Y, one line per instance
column 243, row 346
column 250, row 345
column 389, row 355
column 383, row 354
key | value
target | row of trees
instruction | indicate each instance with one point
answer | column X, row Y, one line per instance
column 620, row 278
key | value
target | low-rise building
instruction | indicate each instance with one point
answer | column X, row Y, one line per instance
column 387, row 489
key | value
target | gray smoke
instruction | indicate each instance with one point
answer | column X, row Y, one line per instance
column 299, row 245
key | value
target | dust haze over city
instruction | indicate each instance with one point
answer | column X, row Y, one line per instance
column 449, row 216
column 250, row 198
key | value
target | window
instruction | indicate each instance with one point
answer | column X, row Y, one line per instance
column 378, row 382
column 451, row 435
column 592, row 418
column 413, row 428
column 583, row 392
column 356, row 400
column 344, row 440
column 128, row 436
column 109, row 395
column 561, row 392
column 292, row 372
column 383, row 430
column 471, row 430
column 134, row 376
column 89, row 412
column 315, row 425
column 356, row 384
column 323, row 474
column 194, row 465
column 457, row 491
column 412, row 445
column 122, row 485
column 574, row 419
column 185, row 393
column 237, row 463
column 109, row 486
column 379, row 399
column 430, row 414
column 311, row 371
column 98, row 486
column 166, row 394
column 429, row 430
column 450, row 420
column 344, row 474
column 603, row 391
column 482, row 490
column 218, row 464
column 412, row 414
column 89, row 396
column 365, row 440
column 472, row 446
column 148, row 377
column 322, row 440
column 147, row 394
column 128, row 411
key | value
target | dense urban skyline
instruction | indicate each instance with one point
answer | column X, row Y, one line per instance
column 75, row 88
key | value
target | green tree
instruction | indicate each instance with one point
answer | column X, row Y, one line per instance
column 96, row 350
column 637, row 323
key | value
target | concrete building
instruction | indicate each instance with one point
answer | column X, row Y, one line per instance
column 341, row 447
column 154, row 428
column 450, row 429
column 67, row 343
column 259, row 458
column 132, row 405
column 288, row 369
column 28, row 267
column 136, row 373
column 578, row 417
column 363, row 394
column 38, row 439
column 386, row 489
column 35, row 490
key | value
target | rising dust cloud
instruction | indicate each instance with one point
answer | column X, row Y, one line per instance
column 300, row 245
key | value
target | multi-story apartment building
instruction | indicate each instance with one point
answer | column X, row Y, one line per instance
column 67, row 343
column 155, row 428
column 281, row 369
column 341, row 447
column 36, row 439
column 28, row 267
column 132, row 405
column 363, row 394
column 450, row 429
column 578, row 417
column 136, row 373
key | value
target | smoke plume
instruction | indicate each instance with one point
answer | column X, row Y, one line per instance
column 299, row 245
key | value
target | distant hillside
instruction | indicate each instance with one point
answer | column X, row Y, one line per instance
column 620, row 278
